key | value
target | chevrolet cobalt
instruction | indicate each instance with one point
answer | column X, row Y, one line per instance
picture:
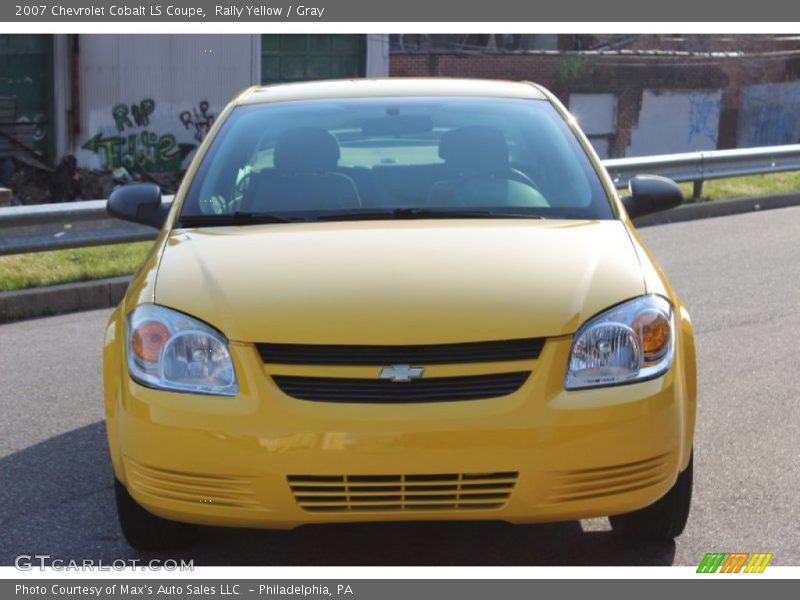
column 398, row 299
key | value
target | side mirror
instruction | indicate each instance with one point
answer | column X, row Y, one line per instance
column 650, row 194
column 138, row 202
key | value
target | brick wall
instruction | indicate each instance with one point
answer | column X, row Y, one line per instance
column 625, row 74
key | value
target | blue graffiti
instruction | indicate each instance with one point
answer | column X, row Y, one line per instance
column 703, row 117
column 773, row 124
column 770, row 114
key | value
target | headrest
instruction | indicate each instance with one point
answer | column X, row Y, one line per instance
column 306, row 150
column 474, row 147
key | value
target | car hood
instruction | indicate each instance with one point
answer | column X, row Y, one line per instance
column 399, row 282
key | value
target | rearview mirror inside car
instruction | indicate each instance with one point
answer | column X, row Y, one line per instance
column 650, row 194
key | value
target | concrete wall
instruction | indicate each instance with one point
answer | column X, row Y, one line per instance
column 676, row 121
column 597, row 116
column 769, row 114
column 377, row 55
column 667, row 121
column 147, row 101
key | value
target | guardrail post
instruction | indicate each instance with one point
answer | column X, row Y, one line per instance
column 697, row 188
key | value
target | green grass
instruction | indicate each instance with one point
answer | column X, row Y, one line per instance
column 743, row 187
column 20, row 271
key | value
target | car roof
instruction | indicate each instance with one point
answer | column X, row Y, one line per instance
column 390, row 86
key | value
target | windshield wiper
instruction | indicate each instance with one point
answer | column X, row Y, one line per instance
column 253, row 218
column 424, row 213
column 237, row 218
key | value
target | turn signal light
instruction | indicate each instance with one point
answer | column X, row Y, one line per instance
column 148, row 339
column 653, row 330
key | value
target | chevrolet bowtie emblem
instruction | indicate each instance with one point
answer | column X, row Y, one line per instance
column 401, row 373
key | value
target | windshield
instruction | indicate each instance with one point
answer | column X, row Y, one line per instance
column 402, row 157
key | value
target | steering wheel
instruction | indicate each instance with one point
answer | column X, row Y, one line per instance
column 457, row 188
column 509, row 174
column 520, row 177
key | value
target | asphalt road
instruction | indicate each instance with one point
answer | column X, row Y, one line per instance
column 739, row 275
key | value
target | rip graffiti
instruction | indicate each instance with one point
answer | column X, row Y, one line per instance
column 144, row 150
column 140, row 112
column 199, row 118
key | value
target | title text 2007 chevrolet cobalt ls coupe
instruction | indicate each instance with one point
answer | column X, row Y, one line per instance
column 398, row 299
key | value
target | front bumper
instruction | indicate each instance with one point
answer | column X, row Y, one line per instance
column 541, row 453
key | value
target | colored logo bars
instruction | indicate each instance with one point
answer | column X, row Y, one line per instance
column 734, row 562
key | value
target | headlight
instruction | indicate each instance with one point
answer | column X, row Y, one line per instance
column 630, row 342
column 171, row 351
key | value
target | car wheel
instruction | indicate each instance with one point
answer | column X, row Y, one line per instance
column 144, row 530
column 663, row 520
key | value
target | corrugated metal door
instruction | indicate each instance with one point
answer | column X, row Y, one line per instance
column 301, row 57
column 148, row 101
column 26, row 76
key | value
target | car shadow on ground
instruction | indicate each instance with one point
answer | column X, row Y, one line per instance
column 56, row 498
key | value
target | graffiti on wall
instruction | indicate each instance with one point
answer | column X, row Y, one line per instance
column 676, row 121
column 147, row 151
column 772, row 124
column 140, row 112
column 769, row 114
column 703, row 117
column 26, row 81
column 573, row 68
column 199, row 119
column 135, row 145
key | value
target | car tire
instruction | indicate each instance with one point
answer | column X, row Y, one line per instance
column 144, row 530
column 663, row 520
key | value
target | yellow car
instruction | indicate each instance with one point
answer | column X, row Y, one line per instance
column 398, row 299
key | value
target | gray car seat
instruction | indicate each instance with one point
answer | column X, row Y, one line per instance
column 479, row 172
column 304, row 176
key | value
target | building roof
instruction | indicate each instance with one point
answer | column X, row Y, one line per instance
column 390, row 86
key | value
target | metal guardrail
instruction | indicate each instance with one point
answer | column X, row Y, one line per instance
column 57, row 226
column 698, row 167
column 41, row 227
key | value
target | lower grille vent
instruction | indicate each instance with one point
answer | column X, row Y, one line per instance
column 193, row 488
column 588, row 484
column 452, row 491
column 436, row 389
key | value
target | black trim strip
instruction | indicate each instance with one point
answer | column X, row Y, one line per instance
column 380, row 391
column 432, row 354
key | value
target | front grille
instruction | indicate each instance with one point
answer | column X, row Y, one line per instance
column 588, row 484
column 193, row 488
column 434, row 354
column 436, row 389
column 450, row 491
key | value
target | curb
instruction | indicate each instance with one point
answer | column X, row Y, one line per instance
column 104, row 293
column 719, row 208
column 57, row 299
